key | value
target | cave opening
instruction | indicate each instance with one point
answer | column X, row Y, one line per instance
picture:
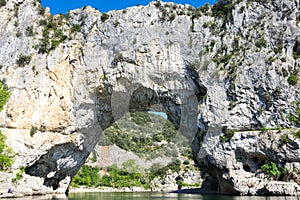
column 247, row 168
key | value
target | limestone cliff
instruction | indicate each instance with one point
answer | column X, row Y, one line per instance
column 232, row 65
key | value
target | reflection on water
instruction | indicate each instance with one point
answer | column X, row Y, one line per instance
column 152, row 196
column 167, row 196
column 43, row 197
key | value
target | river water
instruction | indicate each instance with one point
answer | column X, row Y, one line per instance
column 164, row 196
column 149, row 196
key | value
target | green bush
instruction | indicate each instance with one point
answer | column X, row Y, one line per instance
column 158, row 4
column 29, row 30
column 223, row 9
column 104, row 17
column 228, row 134
column 294, row 118
column 4, row 95
column 5, row 154
column 86, row 176
column 273, row 171
column 19, row 175
column 33, row 130
column 23, row 60
column 297, row 134
column 2, row 3
column 261, row 43
column 292, row 79
column 172, row 16
column 296, row 55
column 128, row 176
column 186, row 162
column 53, row 34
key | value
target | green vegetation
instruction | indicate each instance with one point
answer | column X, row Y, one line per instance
column 6, row 155
column 296, row 55
column 116, row 23
column 29, row 31
column 4, row 95
column 297, row 134
column 104, row 17
column 41, row 9
column 23, row 60
column 294, row 118
column 53, row 34
column 75, row 28
column 210, row 24
column 33, row 130
column 129, row 175
column 227, row 135
column 5, row 152
column 284, row 139
column 19, row 175
column 223, row 9
column 261, row 43
column 2, row 3
column 19, row 33
column 147, row 135
column 263, row 129
column 86, row 176
column 274, row 171
column 293, row 79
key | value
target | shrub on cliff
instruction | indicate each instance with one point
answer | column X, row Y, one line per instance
column 5, row 154
column 293, row 79
column 2, row 3
column 294, row 118
column 104, row 17
column 4, row 96
column 23, row 60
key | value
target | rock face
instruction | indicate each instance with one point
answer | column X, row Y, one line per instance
column 230, row 65
column 235, row 166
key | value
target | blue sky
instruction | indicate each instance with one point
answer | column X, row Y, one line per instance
column 62, row 6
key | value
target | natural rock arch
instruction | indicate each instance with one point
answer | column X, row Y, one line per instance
column 111, row 101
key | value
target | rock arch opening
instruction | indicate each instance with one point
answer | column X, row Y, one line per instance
column 112, row 101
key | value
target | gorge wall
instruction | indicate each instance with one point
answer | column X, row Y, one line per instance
column 232, row 66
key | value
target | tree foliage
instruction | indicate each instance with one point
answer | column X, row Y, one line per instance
column 5, row 154
column 86, row 176
column 141, row 133
column 4, row 95
column 130, row 175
